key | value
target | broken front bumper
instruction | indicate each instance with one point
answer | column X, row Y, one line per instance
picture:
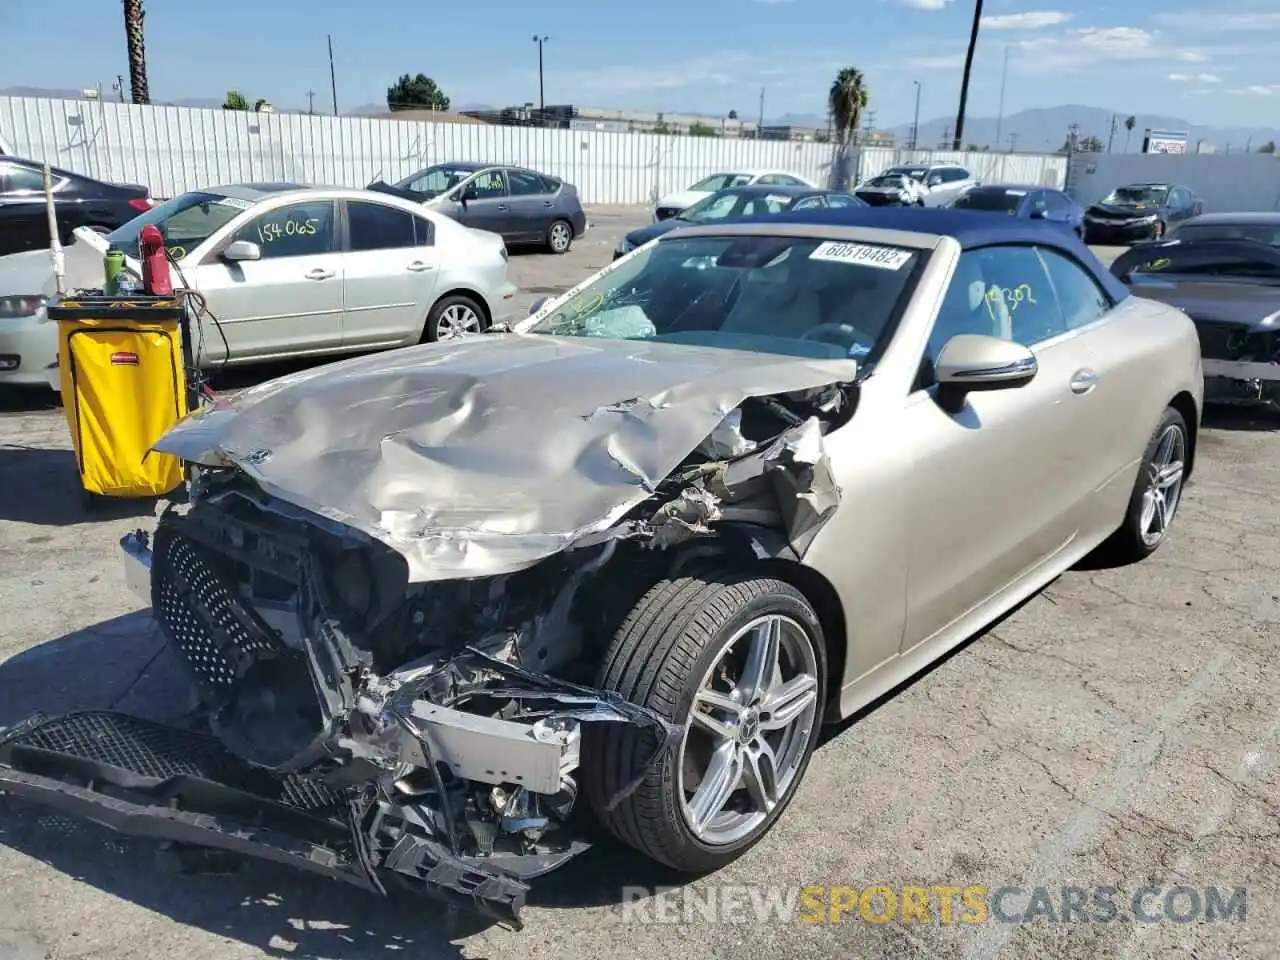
column 151, row 780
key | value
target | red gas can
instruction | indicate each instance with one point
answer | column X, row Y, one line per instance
column 155, row 262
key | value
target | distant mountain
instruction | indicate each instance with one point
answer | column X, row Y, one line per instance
column 1045, row 130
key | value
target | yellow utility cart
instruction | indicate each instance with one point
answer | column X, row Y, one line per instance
column 122, row 367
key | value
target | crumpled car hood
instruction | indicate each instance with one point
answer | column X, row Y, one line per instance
column 483, row 456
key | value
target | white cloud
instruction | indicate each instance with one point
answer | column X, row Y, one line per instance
column 1194, row 78
column 1029, row 20
column 1071, row 49
column 1257, row 90
column 1191, row 56
column 1213, row 22
column 925, row 4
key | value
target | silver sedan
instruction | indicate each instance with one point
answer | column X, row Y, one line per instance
column 289, row 271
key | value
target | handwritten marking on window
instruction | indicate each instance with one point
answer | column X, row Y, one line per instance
column 177, row 253
column 1158, row 264
column 270, row 232
column 1011, row 297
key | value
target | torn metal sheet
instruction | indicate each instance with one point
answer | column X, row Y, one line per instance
column 800, row 471
column 485, row 455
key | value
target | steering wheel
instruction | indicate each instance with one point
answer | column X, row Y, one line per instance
column 841, row 334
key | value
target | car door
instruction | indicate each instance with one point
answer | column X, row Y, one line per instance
column 532, row 207
column 989, row 480
column 289, row 301
column 487, row 204
column 390, row 269
column 1113, row 342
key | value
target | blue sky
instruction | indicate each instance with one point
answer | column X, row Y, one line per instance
column 1146, row 56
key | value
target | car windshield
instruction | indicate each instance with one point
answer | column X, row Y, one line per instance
column 915, row 173
column 1233, row 261
column 1268, row 233
column 721, row 181
column 1134, row 196
column 889, row 180
column 435, row 179
column 995, row 201
column 729, row 204
column 185, row 222
column 788, row 295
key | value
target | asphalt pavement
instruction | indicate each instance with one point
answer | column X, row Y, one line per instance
column 1121, row 729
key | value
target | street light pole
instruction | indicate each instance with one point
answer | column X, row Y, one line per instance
column 542, row 99
column 915, row 124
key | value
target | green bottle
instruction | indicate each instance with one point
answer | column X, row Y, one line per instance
column 113, row 264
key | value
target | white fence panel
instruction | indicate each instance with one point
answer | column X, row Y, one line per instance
column 1227, row 183
column 172, row 149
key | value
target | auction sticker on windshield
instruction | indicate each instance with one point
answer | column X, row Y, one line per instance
column 861, row 254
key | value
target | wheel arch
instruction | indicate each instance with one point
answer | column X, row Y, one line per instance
column 1185, row 404
column 458, row 290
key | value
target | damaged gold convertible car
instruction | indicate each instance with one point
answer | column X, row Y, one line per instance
column 627, row 556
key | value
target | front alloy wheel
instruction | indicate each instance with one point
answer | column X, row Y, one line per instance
column 748, row 732
column 736, row 662
column 1164, row 486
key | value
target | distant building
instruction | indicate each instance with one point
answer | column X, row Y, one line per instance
column 609, row 120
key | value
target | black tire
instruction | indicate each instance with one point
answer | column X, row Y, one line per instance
column 658, row 657
column 441, row 310
column 1127, row 544
column 560, row 237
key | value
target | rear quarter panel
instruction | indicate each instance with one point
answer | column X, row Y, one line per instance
column 1146, row 353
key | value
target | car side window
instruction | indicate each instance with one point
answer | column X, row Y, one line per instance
column 296, row 230
column 490, row 184
column 954, row 175
column 809, row 203
column 1056, row 201
column 840, row 200
column 549, row 184
column 522, row 183
column 1040, row 202
column 769, row 180
column 1002, row 292
column 789, row 181
column 16, row 179
column 1080, row 298
column 376, row 226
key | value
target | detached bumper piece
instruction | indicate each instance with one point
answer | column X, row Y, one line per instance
column 150, row 780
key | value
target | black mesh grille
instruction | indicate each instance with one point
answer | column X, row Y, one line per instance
column 217, row 637
column 159, row 752
column 1220, row 341
column 877, row 199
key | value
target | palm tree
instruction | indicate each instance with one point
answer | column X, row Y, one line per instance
column 133, row 17
column 968, row 67
column 1128, row 131
column 846, row 101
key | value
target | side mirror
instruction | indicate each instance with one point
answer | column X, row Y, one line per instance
column 242, row 250
column 1039, row 214
column 538, row 305
column 933, row 182
column 970, row 362
column 469, row 192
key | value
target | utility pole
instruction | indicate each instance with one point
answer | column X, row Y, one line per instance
column 915, row 124
column 311, row 101
column 946, row 138
column 1004, row 75
column 1073, row 132
column 333, row 81
column 118, row 86
column 1112, row 135
column 1013, row 140
column 760, row 126
column 542, row 98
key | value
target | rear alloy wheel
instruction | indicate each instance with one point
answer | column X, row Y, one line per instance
column 560, row 237
column 1157, row 493
column 737, row 664
column 453, row 317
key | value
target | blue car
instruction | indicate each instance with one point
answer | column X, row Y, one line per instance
column 1029, row 203
column 740, row 203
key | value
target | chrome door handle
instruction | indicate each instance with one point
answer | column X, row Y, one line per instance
column 502, row 206
column 319, row 274
column 1082, row 381
column 547, row 203
column 418, row 266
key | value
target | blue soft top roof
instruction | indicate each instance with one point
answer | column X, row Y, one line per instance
column 969, row 228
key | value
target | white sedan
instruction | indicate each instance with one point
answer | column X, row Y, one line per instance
column 672, row 204
column 288, row 271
